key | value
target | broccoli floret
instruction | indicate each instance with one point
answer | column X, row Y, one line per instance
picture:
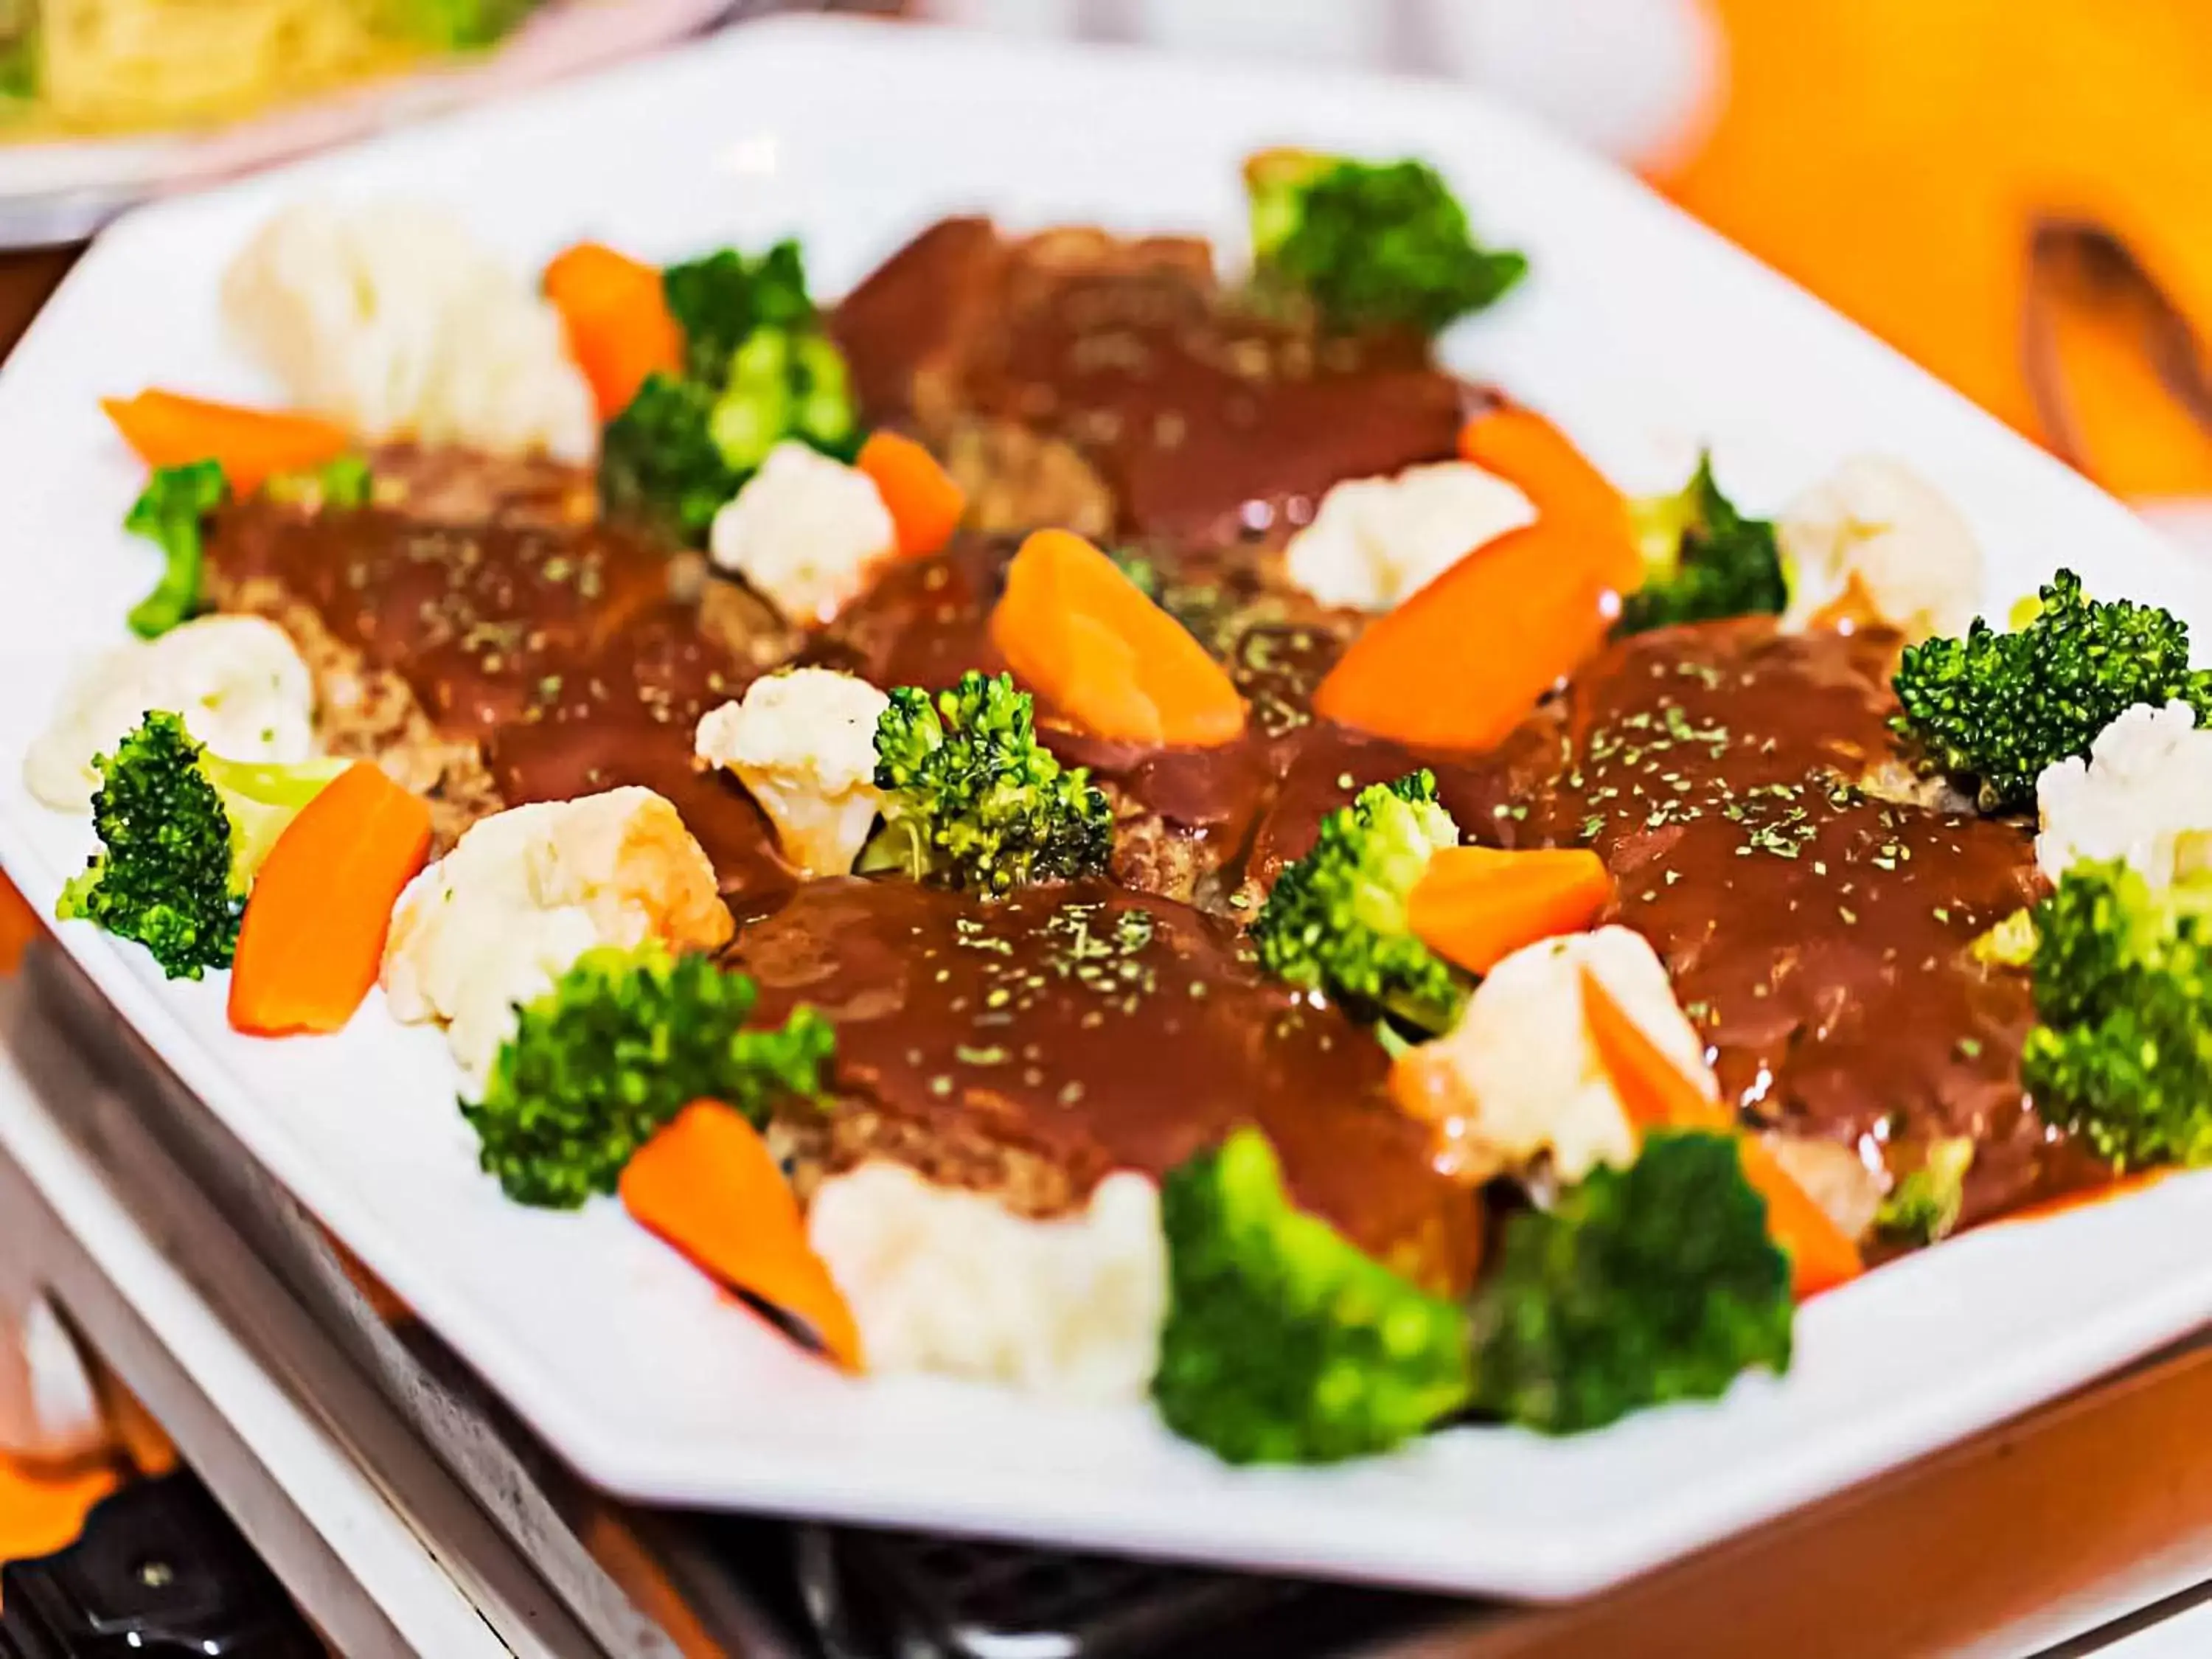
column 170, row 514
column 1284, row 1343
column 453, row 25
column 1336, row 921
column 1640, row 1285
column 1924, row 1204
column 2122, row 1054
column 346, row 483
column 2009, row 943
column 1373, row 246
column 1703, row 560
column 973, row 799
column 182, row 833
column 621, row 1043
column 658, row 462
column 783, row 383
column 720, row 300
column 1999, row 707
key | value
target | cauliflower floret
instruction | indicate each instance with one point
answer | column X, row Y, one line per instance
column 945, row 1280
column 1876, row 536
column 236, row 681
column 804, row 745
column 2144, row 795
column 390, row 319
column 1376, row 542
column 1519, row 1077
column 806, row 532
column 527, row 891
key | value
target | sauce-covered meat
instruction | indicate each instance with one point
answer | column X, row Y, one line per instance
column 560, row 654
column 1091, row 1029
column 1204, row 420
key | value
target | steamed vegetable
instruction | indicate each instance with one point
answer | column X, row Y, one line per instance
column 622, row 1043
column 616, row 314
column 721, row 299
column 453, row 25
column 1459, row 663
column 1994, row 709
column 1703, row 560
column 1656, row 1094
column 1924, row 1204
column 659, row 464
column 1338, row 920
column 1476, row 905
column 923, row 501
column 971, row 798
column 709, row 1185
column 1637, row 1286
column 312, row 936
column 1373, row 246
column 168, row 429
column 1071, row 624
column 168, row 513
column 1284, row 1342
column 344, row 483
column 2122, row 1053
column 183, row 833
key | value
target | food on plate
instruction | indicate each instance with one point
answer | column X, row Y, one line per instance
column 2142, row 795
column 803, row 743
column 236, row 682
column 1340, row 919
column 2122, row 1046
column 1369, row 245
column 1703, row 560
column 172, row 513
column 971, row 798
column 182, row 833
column 941, row 1278
column 167, row 428
column 1284, row 1343
column 312, row 937
column 1638, row 1285
column 524, row 893
column 757, row 374
column 1085, row 821
column 1993, row 709
column 622, row 1043
column 805, row 532
column 391, row 319
column 1373, row 542
column 1875, row 541
column 709, row 1185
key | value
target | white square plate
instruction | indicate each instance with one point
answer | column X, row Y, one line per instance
column 1642, row 333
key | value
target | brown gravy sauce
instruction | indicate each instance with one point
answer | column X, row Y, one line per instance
column 1105, row 1029
column 559, row 651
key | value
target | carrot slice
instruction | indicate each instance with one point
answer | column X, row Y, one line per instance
column 1535, row 457
column 312, row 936
column 167, row 428
column 1087, row 640
column 618, row 321
column 923, row 502
column 1476, row 905
column 1656, row 1094
column 709, row 1185
column 1458, row 665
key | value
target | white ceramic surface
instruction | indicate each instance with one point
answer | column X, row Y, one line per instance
column 1644, row 334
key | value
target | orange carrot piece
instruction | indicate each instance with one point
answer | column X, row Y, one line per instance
column 312, row 936
column 1087, row 640
column 1458, row 665
column 1656, row 1093
column 709, row 1185
column 923, row 502
column 618, row 321
column 1476, row 905
column 1535, row 457
column 167, row 428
